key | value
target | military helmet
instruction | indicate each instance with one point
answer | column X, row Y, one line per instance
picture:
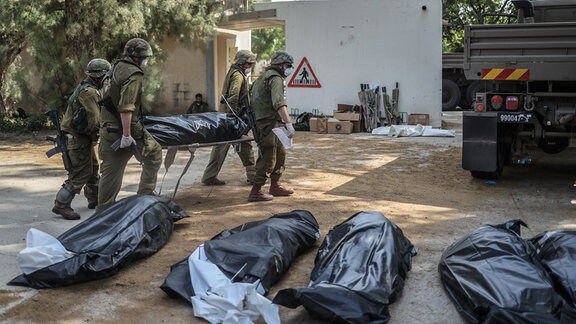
column 97, row 68
column 281, row 57
column 137, row 47
column 244, row 56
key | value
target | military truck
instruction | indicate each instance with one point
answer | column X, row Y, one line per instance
column 457, row 91
column 454, row 82
column 528, row 73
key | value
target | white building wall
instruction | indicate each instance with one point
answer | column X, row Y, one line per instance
column 380, row 42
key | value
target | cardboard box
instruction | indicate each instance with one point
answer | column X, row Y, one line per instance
column 350, row 116
column 336, row 126
column 356, row 127
column 319, row 125
column 344, row 108
column 415, row 119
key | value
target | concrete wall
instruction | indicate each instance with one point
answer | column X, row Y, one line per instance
column 366, row 41
column 227, row 44
column 184, row 74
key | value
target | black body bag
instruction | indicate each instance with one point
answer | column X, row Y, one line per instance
column 130, row 229
column 359, row 270
column 556, row 251
column 261, row 250
column 207, row 127
column 492, row 275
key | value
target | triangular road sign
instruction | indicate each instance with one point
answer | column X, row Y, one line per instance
column 304, row 76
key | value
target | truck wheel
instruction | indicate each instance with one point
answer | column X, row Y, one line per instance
column 450, row 94
column 477, row 86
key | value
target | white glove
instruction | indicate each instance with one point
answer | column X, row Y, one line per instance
column 290, row 129
column 127, row 141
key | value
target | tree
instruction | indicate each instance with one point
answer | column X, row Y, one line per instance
column 266, row 41
column 63, row 35
column 459, row 13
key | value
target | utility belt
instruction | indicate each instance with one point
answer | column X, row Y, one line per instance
column 76, row 142
column 136, row 132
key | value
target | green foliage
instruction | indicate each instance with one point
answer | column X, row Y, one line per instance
column 459, row 13
column 28, row 125
column 63, row 35
column 266, row 41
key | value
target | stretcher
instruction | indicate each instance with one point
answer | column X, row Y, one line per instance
column 191, row 148
column 192, row 131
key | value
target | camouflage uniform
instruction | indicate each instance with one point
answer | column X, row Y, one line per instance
column 269, row 95
column 126, row 81
column 198, row 108
column 81, row 122
column 234, row 88
column 268, row 98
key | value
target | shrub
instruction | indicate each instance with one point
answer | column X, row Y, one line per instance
column 29, row 125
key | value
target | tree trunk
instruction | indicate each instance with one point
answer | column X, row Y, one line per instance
column 11, row 44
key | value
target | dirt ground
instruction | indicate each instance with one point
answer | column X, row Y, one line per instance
column 416, row 182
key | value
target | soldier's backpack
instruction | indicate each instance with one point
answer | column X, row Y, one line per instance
column 302, row 122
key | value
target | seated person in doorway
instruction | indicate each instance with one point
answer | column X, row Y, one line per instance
column 198, row 106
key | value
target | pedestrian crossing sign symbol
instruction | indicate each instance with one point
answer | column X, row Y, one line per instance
column 304, row 76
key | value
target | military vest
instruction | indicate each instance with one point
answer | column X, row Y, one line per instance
column 262, row 97
column 119, row 74
column 75, row 119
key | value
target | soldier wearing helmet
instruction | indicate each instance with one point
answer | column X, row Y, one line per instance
column 121, row 120
column 270, row 109
column 235, row 96
column 81, row 122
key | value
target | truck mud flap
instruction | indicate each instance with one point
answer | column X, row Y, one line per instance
column 480, row 142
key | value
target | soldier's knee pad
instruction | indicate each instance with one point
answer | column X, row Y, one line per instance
column 65, row 194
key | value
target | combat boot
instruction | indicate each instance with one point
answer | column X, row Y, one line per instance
column 65, row 211
column 256, row 194
column 276, row 189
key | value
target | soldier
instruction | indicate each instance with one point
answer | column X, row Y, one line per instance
column 81, row 122
column 198, row 106
column 234, row 90
column 269, row 105
column 120, row 120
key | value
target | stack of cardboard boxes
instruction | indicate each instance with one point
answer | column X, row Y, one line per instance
column 347, row 119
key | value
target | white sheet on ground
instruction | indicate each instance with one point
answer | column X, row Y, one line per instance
column 42, row 250
column 412, row 130
column 219, row 300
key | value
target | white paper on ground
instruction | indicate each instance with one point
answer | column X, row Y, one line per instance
column 412, row 131
column 42, row 250
column 282, row 134
column 218, row 300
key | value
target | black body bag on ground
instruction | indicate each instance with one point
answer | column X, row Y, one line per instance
column 359, row 270
column 255, row 251
column 492, row 275
column 207, row 127
column 129, row 229
column 556, row 251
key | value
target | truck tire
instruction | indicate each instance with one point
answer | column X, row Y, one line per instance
column 477, row 86
column 450, row 94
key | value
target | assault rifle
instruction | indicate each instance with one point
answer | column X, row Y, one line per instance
column 246, row 108
column 107, row 103
column 246, row 114
column 59, row 141
column 116, row 145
